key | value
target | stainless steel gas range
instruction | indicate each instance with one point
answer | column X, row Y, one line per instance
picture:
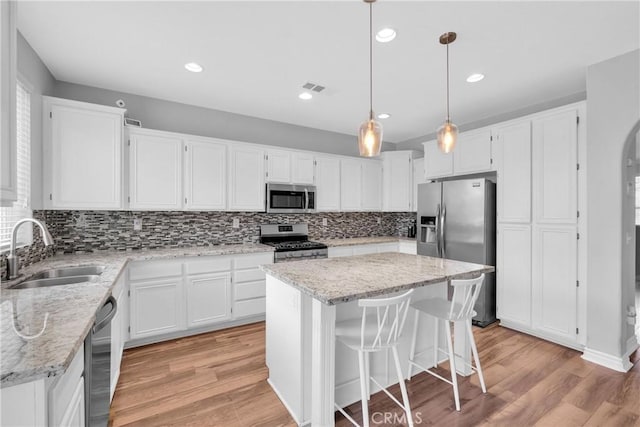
column 291, row 242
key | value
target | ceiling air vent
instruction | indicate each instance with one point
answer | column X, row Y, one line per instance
column 313, row 87
column 132, row 122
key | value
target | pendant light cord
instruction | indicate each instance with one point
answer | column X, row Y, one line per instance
column 448, row 117
column 370, row 61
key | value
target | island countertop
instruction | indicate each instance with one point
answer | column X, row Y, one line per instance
column 337, row 280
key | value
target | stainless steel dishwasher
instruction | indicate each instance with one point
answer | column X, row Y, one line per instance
column 97, row 367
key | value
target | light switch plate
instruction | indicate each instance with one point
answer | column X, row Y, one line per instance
column 324, row 222
column 236, row 222
column 137, row 224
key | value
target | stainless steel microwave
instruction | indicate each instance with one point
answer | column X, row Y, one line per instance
column 286, row 198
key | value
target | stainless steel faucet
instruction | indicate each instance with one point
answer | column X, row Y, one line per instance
column 13, row 262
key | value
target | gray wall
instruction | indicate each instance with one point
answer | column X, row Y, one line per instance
column 172, row 116
column 416, row 143
column 41, row 82
column 613, row 108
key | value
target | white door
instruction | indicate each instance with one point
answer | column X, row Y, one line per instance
column 554, row 281
column 398, row 173
column 328, row 184
column 74, row 413
column 371, row 185
column 86, row 158
column 436, row 163
column 513, row 273
column 512, row 155
column 302, row 168
column 350, row 185
column 418, row 178
column 208, row 299
column 555, row 150
column 205, row 175
column 156, row 307
column 472, row 153
column 246, row 179
column 279, row 166
column 155, row 180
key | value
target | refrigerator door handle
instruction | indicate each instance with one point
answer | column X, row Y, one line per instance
column 437, row 231
column 442, row 236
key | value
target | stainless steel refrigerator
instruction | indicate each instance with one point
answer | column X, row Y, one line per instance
column 457, row 220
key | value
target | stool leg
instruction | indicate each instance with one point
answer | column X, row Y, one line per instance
column 363, row 389
column 436, row 344
column 403, row 387
column 476, row 358
column 367, row 370
column 412, row 352
column 452, row 364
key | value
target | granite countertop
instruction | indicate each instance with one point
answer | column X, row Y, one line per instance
column 337, row 280
column 41, row 329
column 354, row 241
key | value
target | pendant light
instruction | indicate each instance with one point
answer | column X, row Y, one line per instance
column 370, row 134
column 448, row 132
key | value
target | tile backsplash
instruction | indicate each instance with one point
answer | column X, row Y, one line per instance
column 90, row 231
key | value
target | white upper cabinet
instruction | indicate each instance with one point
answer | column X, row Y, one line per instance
column 279, row 166
column 398, row 177
column 328, row 184
column 302, row 168
column 512, row 156
column 246, row 178
column 84, row 148
column 371, row 185
column 205, row 175
column 8, row 147
column 350, row 184
column 436, row 163
column 555, row 175
column 155, row 179
column 418, row 178
column 472, row 153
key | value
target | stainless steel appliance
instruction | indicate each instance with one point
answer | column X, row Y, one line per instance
column 286, row 198
column 97, row 367
column 291, row 242
column 457, row 220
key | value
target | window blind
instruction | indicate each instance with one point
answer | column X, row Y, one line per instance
column 22, row 206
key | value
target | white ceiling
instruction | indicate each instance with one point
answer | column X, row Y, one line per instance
column 257, row 55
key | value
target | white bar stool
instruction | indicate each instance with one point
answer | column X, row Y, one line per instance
column 378, row 330
column 460, row 308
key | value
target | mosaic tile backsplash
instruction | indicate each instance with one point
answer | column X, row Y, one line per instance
column 90, row 231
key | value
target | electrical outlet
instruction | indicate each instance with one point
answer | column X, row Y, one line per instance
column 137, row 224
column 379, row 220
column 324, row 222
column 236, row 222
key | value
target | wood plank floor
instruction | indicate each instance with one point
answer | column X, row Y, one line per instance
column 219, row 379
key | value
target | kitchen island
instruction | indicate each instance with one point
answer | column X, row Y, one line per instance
column 306, row 298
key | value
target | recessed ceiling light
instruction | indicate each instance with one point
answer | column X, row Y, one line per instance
column 475, row 77
column 305, row 96
column 193, row 67
column 385, row 35
column 384, row 115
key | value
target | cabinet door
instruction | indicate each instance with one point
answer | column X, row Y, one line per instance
column 512, row 155
column 328, row 184
column 436, row 163
column 208, row 299
column 156, row 308
column 156, row 172
column 74, row 414
column 117, row 338
column 554, row 281
column 472, row 153
column 86, row 158
column 246, row 179
column 302, row 168
column 418, row 178
column 278, row 166
column 555, row 149
column 205, row 175
column 513, row 273
column 398, row 174
column 371, row 185
column 8, row 148
column 350, row 185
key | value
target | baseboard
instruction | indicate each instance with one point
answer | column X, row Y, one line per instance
column 620, row 364
column 632, row 345
column 541, row 334
column 286, row 405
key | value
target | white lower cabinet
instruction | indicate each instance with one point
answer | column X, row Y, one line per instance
column 513, row 272
column 208, row 299
column 156, row 307
column 119, row 331
column 66, row 395
column 74, row 414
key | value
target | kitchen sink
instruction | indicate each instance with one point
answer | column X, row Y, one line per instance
column 87, row 270
column 55, row 281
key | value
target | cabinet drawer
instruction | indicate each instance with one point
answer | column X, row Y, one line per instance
column 253, row 260
column 387, row 247
column 208, row 265
column 143, row 270
column 249, row 290
column 251, row 307
column 248, row 275
column 340, row 251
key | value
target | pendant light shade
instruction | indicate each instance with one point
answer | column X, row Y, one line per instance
column 448, row 132
column 370, row 133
